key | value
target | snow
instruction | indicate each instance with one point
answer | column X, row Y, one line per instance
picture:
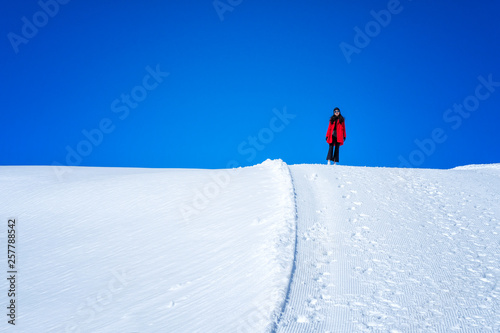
column 112, row 250
column 268, row 248
column 409, row 250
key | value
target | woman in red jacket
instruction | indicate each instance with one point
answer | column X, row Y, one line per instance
column 335, row 136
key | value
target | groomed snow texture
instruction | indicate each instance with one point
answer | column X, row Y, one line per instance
column 268, row 248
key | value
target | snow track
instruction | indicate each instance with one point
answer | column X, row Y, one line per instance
column 395, row 250
column 286, row 299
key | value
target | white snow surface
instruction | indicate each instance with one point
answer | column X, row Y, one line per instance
column 395, row 250
column 268, row 248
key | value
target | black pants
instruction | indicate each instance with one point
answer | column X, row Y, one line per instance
column 333, row 155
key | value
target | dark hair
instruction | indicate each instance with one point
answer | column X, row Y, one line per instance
column 340, row 117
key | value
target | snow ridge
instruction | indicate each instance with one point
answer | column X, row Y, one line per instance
column 286, row 299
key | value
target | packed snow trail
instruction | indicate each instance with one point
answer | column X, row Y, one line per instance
column 395, row 250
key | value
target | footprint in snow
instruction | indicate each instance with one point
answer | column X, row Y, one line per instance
column 179, row 286
column 258, row 221
column 311, row 177
column 318, row 317
column 302, row 319
column 172, row 304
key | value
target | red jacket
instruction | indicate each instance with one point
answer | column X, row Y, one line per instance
column 340, row 132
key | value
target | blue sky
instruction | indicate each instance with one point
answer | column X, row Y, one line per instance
column 204, row 84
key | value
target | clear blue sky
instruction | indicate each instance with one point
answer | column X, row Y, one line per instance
column 200, row 84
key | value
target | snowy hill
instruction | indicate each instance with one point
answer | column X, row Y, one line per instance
column 268, row 248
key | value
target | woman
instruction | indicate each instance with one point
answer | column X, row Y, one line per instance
column 335, row 136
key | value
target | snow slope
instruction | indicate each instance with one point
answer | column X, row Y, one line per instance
column 268, row 248
column 138, row 250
